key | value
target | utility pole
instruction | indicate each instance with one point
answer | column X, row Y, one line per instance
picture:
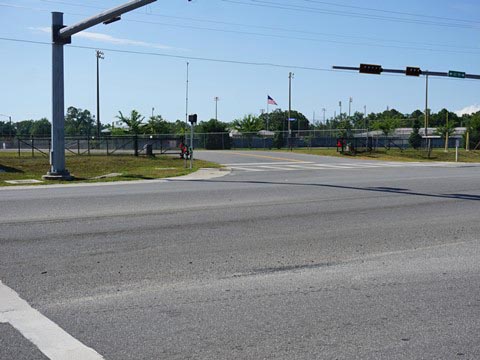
column 349, row 106
column 324, row 110
column 446, row 134
column 216, row 98
column 99, row 55
column 186, row 108
column 340, row 105
column 62, row 35
column 153, row 109
column 426, row 107
column 290, row 77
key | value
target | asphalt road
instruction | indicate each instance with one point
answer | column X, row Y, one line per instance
column 289, row 256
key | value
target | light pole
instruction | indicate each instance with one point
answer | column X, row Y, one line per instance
column 290, row 77
column 216, row 98
column 340, row 106
column 99, row 55
column 350, row 100
column 62, row 35
column 153, row 109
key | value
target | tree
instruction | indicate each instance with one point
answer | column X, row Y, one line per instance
column 249, row 125
column 445, row 131
column 415, row 139
column 216, row 134
column 134, row 122
column 7, row 129
column 278, row 120
column 41, row 127
column 156, row 125
column 79, row 122
column 473, row 128
column 24, row 128
column 387, row 126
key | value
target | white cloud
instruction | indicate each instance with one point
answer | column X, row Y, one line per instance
column 468, row 110
column 109, row 39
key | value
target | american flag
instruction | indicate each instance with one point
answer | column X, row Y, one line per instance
column 270, row 100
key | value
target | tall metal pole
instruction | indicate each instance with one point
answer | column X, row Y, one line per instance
column 216, row 98
column 99, row 55
column 186, row 108
column 349, row 106
column 290, row 76
column 426, row 104
column 340, row 105
column 10, row 131
column 57, row 151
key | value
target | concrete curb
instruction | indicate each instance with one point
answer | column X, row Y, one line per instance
column 201, row 174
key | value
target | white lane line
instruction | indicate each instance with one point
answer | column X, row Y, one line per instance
column 51, row 340
column 276, row 168
column 244, row 168
column 268, row 163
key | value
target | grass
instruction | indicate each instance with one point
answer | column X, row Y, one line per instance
column 84, row 168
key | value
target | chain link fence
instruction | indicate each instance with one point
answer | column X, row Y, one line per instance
column 357, row 140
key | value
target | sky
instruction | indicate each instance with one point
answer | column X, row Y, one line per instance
column 241, row 51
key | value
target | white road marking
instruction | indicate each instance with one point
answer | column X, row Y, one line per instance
column 288, row 166
column 50, row 339
column 269, row 163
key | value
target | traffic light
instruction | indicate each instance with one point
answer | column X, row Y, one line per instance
column 371, row 69
column 413, row 71
column 192, row 119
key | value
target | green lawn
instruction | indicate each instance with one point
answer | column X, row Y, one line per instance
column 398, row 155
column 83, row 168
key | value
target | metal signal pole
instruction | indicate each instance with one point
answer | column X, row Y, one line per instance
column 62, row 35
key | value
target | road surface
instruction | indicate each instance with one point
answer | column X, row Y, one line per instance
column 289, row 256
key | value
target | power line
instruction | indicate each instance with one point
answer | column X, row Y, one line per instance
column 392, row 11
column 441, row 45
column 272, row 5
column 206, row 59
column 292, row 37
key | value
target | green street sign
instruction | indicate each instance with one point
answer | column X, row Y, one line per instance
column 456, row 74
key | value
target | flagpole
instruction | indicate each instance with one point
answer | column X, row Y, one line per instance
column 267, row 112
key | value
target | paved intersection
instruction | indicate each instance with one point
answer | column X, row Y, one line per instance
column 347, row 262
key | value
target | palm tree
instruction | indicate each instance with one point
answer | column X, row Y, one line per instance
column 134, row 122
column 249, row 125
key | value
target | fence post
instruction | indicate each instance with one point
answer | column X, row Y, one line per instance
column 32, row 144
column 106, row 142
column 78, row 146
column 19, row 151
column 135, row 145
column 88, row 145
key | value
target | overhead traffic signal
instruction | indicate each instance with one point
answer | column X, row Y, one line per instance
column 413, row 71
column 371, row 69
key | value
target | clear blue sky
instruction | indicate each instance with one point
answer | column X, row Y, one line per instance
column 438, row 35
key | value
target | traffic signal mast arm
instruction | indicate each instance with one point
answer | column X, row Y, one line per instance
column 423, row 72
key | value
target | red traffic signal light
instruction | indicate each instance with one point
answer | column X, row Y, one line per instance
column 371, row 69
column 413, row 71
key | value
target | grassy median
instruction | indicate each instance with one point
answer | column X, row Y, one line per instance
column 89, row 168
column 398, row 155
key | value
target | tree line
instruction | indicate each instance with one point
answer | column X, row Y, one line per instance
column 81, row 122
